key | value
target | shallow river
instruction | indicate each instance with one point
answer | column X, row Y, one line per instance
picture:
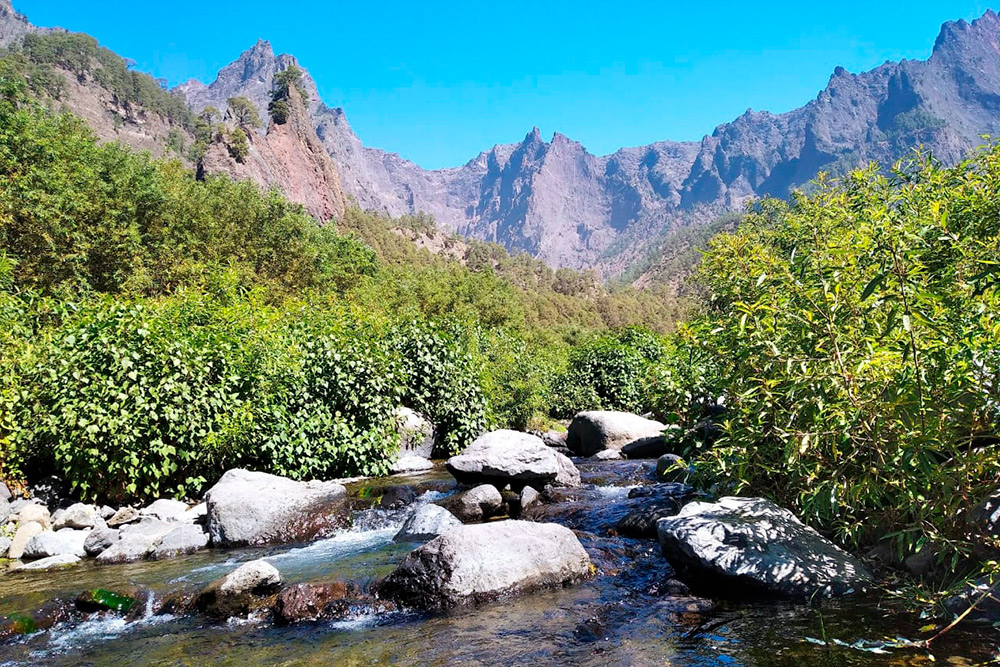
column 630, row 614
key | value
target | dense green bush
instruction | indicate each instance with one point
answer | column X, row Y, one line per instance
column 608, row 373
column 857, row 331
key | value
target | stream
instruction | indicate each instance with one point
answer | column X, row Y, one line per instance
column 631, row 613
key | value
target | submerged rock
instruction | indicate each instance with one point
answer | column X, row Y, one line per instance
column 597, row 430
column 240, row 592
column 476, row 563
column 43, row 618
column 642, row 522
column 426, row 523
column 309, row 602
column 254, row 508
column 511, row 457
column 476, row 504
column 99, row 599
column 396, row 496
column 750, row 545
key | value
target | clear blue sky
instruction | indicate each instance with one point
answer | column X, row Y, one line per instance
column 439, row 82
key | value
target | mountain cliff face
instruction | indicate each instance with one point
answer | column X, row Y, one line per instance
column 558, row 202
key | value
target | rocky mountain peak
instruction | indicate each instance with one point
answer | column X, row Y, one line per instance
column 13, row 25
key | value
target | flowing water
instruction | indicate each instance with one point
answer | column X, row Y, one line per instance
column 632, row 613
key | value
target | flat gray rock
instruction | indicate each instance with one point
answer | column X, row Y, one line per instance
column 255, row 508
column 184, row 539
column 478, row 563
column 512, row 457
column 752, row 546
column 51, row 562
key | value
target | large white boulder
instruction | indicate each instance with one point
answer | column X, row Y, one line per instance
column 512, row 457
column 481, row 562
column 597, row 430
column 254, row 508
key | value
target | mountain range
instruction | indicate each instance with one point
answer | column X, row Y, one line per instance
column 560, row 203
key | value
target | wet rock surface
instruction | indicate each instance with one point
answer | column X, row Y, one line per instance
column 426, row 523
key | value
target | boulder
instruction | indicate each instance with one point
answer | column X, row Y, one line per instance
column 476, row 504
column 529, row 497
column 980, row 594
column 672, row 468
column 241, row 591
column 646, row 448
column 51, row 562
column 5, row 493
column 416, row 435
column 59, row 543
column 641, row 522
column 411, row 463
column 100, row 539
column 309, row 602
column 184, row 539
column 397, row 496
column 5, row 543
column 123, row 516
column 197, row 514
column 476, row 563
column 79, row 515
column 5, row 511
column 752, row 546
column 254, row 508
column 165, row 509
column 426, row 523
column 33, row 513
column 511, row 457
column 136, row 541
column 597, row 430
column 106, row 512
column 22, row 536
column 609, row 455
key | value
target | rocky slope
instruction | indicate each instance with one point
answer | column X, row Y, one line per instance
column 558, row 202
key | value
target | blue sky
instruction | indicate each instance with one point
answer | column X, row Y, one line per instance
column 439, row 82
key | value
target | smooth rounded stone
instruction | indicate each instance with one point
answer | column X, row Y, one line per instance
column 672, row 468
column 106, row 512
column 426, row 523
column 309, row 602
column 59, row 543
column 553, row 438
column 417, row 435
column 100, row 539
column 609, row 455
column 123, row 516
column 5, row 510
column 5, row 543
column 35, row 513
column 512, row 457
column 51, row 562
column 241, row 591
column 5, row 493
column 165, row 509
column 79, row 515
column 597, row 430
column 397, row 496
column 477, row 563
column 25, row 532
column 482, row 502
column 254, row 508
column 136, row 541
column 752, row 546
column 529, row 497
column 411, row 463
column 646, row 448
